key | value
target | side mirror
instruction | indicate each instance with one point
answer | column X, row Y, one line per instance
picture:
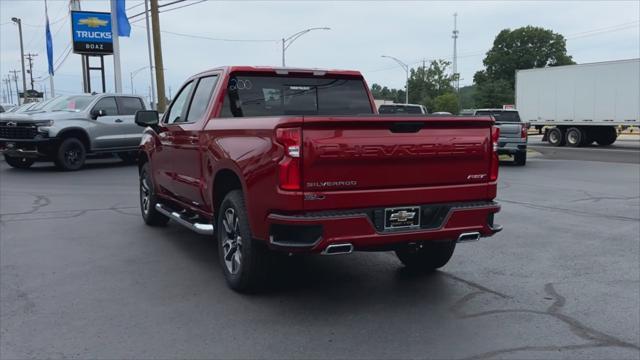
column 146, row 118
column 97, row 113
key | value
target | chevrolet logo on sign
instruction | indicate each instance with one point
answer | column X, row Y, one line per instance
column 91, row 33
column 93, row 22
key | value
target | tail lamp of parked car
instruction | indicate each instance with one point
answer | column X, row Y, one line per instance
column 290, row 167
column 495, row 160
column 524, row 131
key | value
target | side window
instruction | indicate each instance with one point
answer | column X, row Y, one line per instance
column 108, row 105
column 177, row 109
column 201, row 98
column 129, row 105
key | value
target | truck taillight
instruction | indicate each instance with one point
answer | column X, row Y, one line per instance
column 495, row 161
column 524, row 131
column 290, row 167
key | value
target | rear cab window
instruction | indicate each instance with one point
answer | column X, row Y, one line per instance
column 501, row 116
column 273, row 95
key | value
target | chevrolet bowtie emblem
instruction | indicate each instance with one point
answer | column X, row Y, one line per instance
column 402, row 216
column 93, row 22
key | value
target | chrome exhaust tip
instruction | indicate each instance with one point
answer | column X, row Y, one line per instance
column 338, row 249
column 470, row 236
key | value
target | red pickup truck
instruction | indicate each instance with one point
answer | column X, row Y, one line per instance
column 298, row 161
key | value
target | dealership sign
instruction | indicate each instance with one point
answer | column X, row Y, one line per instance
column 91, row 33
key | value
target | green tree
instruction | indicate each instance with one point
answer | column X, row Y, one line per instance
column 446, row 102
column 427, row 83
column 523, row 48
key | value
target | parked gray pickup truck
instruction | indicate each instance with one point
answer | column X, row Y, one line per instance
column 71, row 127
column 513, row 133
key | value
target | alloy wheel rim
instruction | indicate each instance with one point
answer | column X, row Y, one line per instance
column 554, row 137
column 573, row 137
column 72, row 155
column 145, row 194
column 232, row 241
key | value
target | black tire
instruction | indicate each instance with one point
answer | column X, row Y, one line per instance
column 129, row 157
column 556, row 137
column 148, row 200
column 71, row 154
column 587, row 138
column 606, row 136
column 574, row 137
column 19, row 162
column 520, row 158
column 429, row 257
column 243, row 259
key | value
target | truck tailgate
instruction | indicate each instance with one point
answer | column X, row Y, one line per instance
column 510, row 129
column 379, row 152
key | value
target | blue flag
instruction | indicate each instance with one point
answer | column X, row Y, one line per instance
column 49, row 41
column 124, row 28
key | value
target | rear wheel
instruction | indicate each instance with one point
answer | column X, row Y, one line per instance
column 243, row 259
column 148, row 200
column 71, row 154
column 606, row 136
column 574, row 137
column 556, row 137
column 520, row 158
column 427, row 257
column 19, row 162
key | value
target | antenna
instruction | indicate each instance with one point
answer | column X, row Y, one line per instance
column 455, row 50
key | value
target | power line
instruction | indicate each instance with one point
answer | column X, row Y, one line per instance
column 211, row 38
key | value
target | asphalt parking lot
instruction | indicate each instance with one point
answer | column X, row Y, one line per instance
column 81, row 276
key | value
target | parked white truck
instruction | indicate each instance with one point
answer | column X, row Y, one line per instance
column 580, row 104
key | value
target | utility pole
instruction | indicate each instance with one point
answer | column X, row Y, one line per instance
column 15, row 79
column 7, row 83
column 146, row 17
column 30, row 57
column 157, row 55
column 24, row 76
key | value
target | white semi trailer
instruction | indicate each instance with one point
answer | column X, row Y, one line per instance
column 580, row 104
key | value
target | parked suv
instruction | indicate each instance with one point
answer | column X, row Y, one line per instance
column 513, row 133
column 69, row 128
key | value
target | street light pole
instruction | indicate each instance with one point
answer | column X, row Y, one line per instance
column 133, row 74
column 406, row 69
column 24, row 74
column 288, row 41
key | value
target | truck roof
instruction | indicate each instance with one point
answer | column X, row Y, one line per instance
column 578, row 65
column 283, row 70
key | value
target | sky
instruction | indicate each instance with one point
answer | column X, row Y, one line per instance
column 360, row 33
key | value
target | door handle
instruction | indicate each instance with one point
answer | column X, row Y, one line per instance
column 118, row 120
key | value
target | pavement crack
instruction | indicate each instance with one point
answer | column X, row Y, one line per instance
column 68, row 214
column 594, row 338
column 39, row 202
column 570, row 211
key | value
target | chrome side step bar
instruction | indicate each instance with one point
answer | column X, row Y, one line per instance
column 204, row 229
column 470, row 236
column 338, row 249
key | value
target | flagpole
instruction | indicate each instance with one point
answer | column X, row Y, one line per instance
column 117, row 72
column 49, row 57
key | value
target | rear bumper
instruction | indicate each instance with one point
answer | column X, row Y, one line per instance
column 510, row 146
column 313, row 232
